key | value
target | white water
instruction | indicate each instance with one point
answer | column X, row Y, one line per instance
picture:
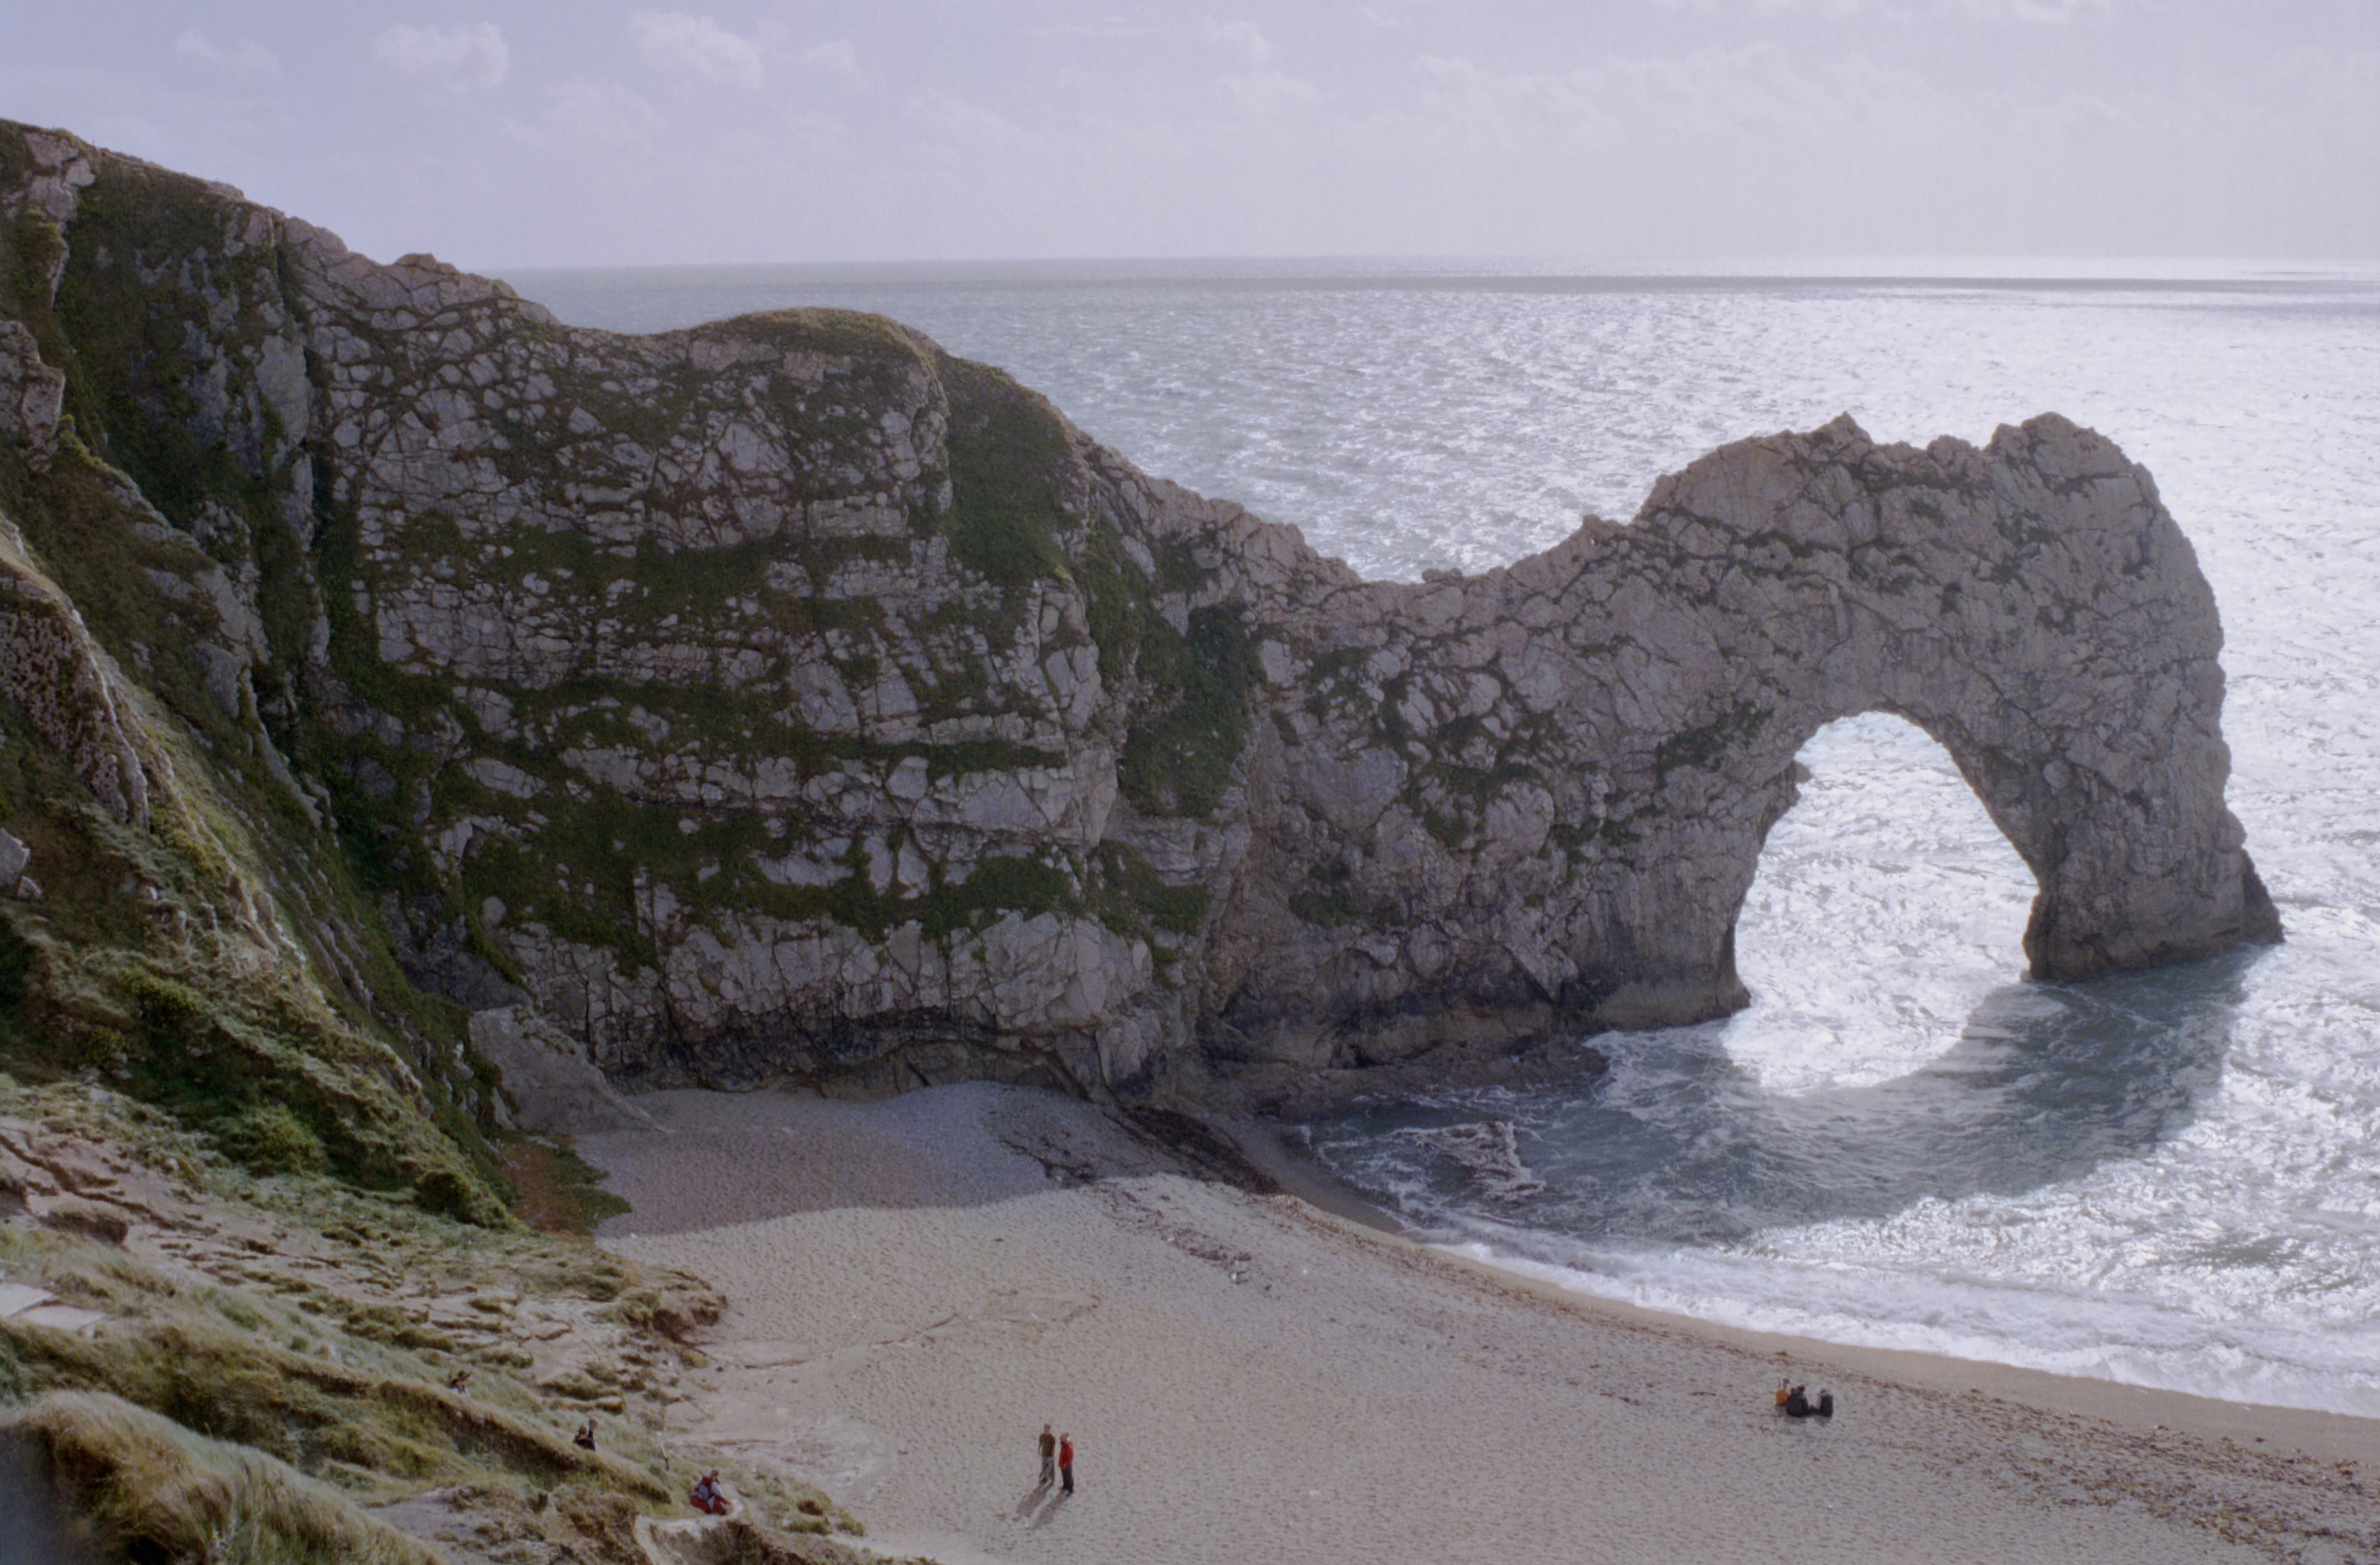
column 2172, row 1180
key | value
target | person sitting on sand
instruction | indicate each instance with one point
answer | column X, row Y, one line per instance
column 1825, row 1406
column 1796, row 1404
column 585, row 1439
column 1783, row 1391
column 459, row 1381
column 708, row 1497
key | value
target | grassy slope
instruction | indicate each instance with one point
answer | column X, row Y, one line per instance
column 220, row 958
column 277, row 1353
column 209, row 995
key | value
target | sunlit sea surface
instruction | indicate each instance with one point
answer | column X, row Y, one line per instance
column 2170, row 1179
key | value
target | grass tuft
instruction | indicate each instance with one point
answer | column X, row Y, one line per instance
column 145, row 1487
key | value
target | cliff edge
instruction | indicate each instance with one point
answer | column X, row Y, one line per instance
column 784, row 700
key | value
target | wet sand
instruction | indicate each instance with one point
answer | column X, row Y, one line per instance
column 916, row 1286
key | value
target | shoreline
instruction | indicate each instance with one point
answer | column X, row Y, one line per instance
column 2318, row 1431
column 917, row 1284
column 2333, row 1435
column 2325, row 1434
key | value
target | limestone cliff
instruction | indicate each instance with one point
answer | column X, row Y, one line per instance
column 787, row 699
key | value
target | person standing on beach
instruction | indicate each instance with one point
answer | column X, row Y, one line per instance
column 1049, row 1455
column 1066, row 1465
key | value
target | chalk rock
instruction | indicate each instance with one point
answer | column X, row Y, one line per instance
column 554, row 1089
column 784, row 700
column 32, row 397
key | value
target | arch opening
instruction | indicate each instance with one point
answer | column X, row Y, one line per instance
column 1885, row 907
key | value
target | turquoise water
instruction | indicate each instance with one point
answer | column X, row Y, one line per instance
column 2172, row 1179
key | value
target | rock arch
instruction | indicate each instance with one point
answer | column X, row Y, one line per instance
column 1885, row 907
column 1528, row 805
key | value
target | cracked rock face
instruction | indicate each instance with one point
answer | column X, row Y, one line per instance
column 784, row 700
column 1543, row 790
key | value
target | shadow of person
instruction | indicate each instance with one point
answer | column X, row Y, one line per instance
column 1057, row 1503
column 35, row 1524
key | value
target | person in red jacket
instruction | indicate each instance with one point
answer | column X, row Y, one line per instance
column 1066, row 1465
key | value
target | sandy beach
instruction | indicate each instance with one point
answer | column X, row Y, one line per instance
column 916, row 1286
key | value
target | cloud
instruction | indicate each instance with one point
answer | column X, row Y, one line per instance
column 584, row 114
column 1755, row 96
column 249, row 58
column 1107, row 27
column 962, row 122
column 1259, row 88
column 1270, row 91
column 1755, row 149
column 454, row 57
column 2056, row 13
column 1243, row 37
column 2332, row 79
column 689, row 46
column 837, row 56
column 1835, row 10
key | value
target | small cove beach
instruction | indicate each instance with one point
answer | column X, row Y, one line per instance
column 916, row 1286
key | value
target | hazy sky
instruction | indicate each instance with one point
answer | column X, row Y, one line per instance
column 565, row 132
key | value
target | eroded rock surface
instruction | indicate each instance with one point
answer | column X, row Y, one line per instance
column 1545, row 789
column 784, row 700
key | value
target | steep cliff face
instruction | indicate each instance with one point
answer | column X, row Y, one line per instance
column 786, row 699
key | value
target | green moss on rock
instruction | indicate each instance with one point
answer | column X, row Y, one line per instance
column 1007, row 448
column 1180, row 761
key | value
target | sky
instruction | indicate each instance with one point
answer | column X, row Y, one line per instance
column 585, row 133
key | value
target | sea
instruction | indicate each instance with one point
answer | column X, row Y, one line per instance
column 2169, row 1179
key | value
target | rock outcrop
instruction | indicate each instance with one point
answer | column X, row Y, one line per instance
column 1545, row 789
column 785, row 699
